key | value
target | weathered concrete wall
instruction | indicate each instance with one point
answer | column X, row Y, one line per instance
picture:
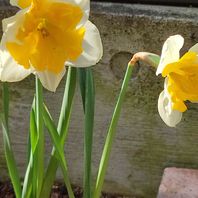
column 144, row 145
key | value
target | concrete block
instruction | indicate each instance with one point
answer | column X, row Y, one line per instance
column 144, row 145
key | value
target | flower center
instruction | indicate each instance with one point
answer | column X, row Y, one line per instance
column 48, row 36
column 182, row 80
column 42, row 28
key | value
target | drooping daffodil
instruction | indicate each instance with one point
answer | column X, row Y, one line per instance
column 46, row 35
column 181, row 79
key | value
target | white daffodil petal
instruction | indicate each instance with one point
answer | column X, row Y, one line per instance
column 92, row 48
column 170, row 51
column 14, row 3
column 194, row 48
column 12, row 24
column 85, row 6
column 12, row 72
column 50, row 80
column 9, row 70
column 8, row 22
column 169, row 116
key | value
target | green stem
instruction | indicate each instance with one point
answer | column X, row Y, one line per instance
column 6, row 99
column 111, row 134
column 82, row 84
column 11, row 163
column 88, row 96
column 39, row 152
column 63, row 125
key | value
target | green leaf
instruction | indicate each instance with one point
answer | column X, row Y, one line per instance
column 11, row 163
column 63, row 126
column 60, row 150
column 64, row 118
column 29, row 179
column 27, row 184
column 53, row 133
column 34, row 136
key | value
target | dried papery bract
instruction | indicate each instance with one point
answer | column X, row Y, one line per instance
column 146, row 57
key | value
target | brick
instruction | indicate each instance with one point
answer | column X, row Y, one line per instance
column 179, row 183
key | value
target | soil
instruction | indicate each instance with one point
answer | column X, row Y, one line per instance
column 58, row 191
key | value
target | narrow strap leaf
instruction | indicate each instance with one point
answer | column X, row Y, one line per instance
column 63, row 125
column 27, row 184
column 64, row 118
column 11, row 163
column 29, row 180
column 60, row 151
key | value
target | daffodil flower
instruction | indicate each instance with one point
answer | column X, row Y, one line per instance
column 46, row 35
column 181, row 79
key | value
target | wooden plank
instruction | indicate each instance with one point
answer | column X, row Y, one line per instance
column 144, row 145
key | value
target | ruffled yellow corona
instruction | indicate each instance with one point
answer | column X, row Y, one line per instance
column 48, row 36
column 44, row 36
column 182, row 80
column 24, row 3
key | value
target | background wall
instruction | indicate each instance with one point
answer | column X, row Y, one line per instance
column 144, row 145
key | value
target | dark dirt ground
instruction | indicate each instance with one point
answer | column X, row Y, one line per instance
column 58, row 191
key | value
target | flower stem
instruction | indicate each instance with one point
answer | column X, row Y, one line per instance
column 39, row 161
column 111, row 134
column 30, row 182
column 88, row 97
